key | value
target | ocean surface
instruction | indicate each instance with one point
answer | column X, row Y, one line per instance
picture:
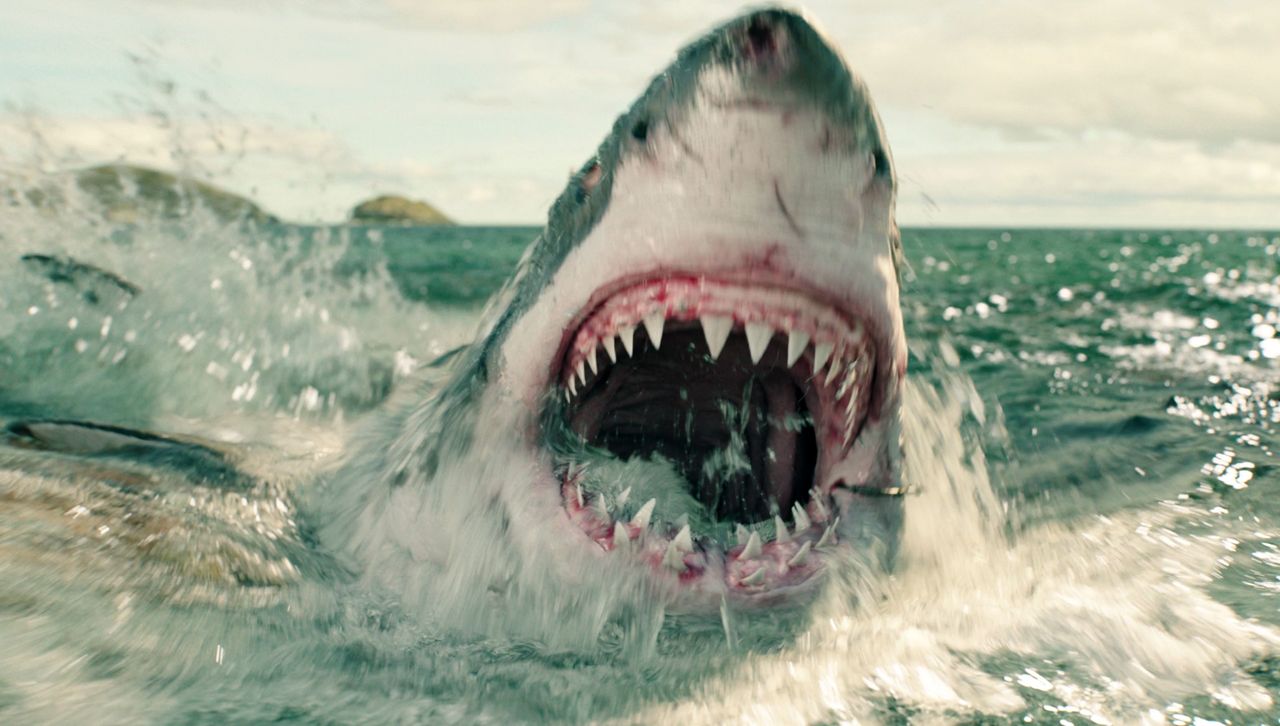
column 1094, row 536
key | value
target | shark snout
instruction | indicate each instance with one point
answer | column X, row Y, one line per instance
column 776, row 40
column 763, row 39
column 770, row 44
column 775, row 60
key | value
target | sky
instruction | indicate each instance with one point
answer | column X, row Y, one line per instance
column 1094, row 113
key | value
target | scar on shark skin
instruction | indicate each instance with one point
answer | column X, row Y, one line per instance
column 782, row 205
column 591, row 178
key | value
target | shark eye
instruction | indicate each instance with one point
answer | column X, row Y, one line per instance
column 640, row 132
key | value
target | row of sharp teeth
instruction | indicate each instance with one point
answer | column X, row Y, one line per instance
column 841, row 372
column 753, row 545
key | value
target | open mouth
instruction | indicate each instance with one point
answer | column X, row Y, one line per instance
column 746, row 397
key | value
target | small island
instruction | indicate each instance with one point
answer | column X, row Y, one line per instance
column 391, row 209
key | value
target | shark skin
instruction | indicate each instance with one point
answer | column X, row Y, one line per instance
column 729, row 250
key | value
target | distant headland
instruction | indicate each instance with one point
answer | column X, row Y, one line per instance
column 127, row 193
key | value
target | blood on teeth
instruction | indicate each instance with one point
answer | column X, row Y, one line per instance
column 834, row 353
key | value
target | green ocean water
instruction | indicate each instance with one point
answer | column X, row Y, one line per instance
column 1113, row 395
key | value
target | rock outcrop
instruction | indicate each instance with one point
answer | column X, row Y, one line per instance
column 391, row 209
column 127, row 193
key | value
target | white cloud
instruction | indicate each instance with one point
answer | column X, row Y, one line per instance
column 302, row 174
column 1176, row 69
column 1102, row 181
column 499, row 16
column 264, row 161
column 481, row 15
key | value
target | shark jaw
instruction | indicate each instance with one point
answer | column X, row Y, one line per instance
column 702, row 371
column 723, row 308
column 699, row 370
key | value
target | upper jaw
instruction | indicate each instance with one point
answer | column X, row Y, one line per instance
column 833, row 348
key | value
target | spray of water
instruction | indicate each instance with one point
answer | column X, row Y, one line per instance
column 974, row 615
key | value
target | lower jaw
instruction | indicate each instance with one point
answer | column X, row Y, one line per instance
column 767, row 564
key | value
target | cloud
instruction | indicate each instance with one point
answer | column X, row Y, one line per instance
column 1177, row 69
column 265, row 161
column 300, row 173
column 1105, row 181
column 1174, row 69
column 481, row 15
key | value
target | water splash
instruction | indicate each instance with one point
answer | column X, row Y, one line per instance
column 1063, row 618
column 219, row 316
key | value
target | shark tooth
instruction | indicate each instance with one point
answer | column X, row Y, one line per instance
column 611, row 348
column 726, row 622
column 829, row 537
column 582, row 372
column 752, row 549
column 573, row 386
column 742, row 534
column 754, row 578
column 623, row 497
column 850, row 377
column 716, row 328
column 821, row 352
column 758, row 335
column 683, row 540
column 780, row 528
column 815, row 496
column 621, row 537
column 653, row 323
column 800, row 516
column 797, row 341
column 641, row 519
column 673, row 558
column 627, row 334
column 835, row 368
column 591, row 360
column 800, row 556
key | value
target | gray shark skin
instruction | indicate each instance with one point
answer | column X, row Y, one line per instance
column 690, row 389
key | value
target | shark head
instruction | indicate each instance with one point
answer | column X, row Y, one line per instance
column 704, row 346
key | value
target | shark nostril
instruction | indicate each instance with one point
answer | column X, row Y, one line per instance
column 760, row 38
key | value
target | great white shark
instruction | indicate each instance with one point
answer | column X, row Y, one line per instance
column 712, row 305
